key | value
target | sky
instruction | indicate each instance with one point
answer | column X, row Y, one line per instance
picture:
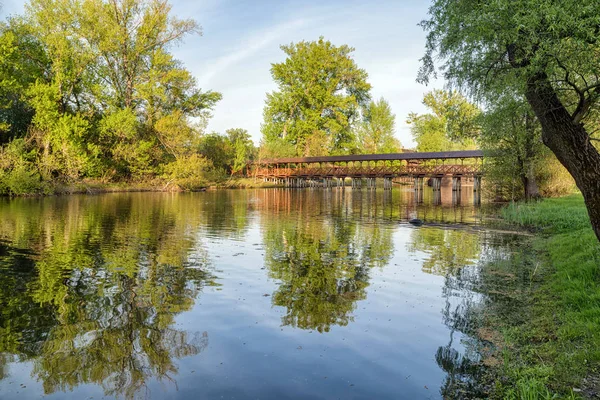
column 240, row 40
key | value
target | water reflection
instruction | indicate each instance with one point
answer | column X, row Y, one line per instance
column 495, row 285
column 94, row 299
column 93, row 287
column 448, row 250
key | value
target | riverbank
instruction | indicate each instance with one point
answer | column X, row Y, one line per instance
column 156, row 185
column 551, row 345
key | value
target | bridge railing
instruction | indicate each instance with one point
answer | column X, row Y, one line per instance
column 368, row 171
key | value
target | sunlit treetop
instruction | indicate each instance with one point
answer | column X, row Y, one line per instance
column 320, row 94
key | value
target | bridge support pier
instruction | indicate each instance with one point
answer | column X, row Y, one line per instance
column 477, row 189
column 387, row 183
column 456, row 197
column 371, row 183
column 456, row 183
column 419, row 183
column 419, row 196
column 436, row 183
column 328, row 182
column 437, row 197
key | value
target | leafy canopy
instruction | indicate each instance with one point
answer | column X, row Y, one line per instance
column 106, row 98
column 451, row 124
column 375, row 134
column 485, row 46
column 320, row 94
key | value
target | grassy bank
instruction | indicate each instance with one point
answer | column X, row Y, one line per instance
column 555, row 351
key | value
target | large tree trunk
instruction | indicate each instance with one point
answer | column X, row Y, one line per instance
column 569, row 141
column 530, row 186
column 527, row 176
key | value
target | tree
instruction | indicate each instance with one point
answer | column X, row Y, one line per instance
column 243, row 148
column 114, row 101
column 451, row 125
column 218, row 149
column 546, row 50
column 320, row 94
column 22, row 62
column 375, row 135
column 277, row 148
column 512, row 132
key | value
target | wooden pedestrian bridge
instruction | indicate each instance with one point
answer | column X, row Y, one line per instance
column 329, row 171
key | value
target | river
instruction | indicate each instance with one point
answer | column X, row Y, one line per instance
column 248, row 294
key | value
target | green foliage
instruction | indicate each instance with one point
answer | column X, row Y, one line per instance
column 229, row 153
column 544, row 50
column 508, row 41
column 451, row 125
column 243, row 149
column 276, row 148
column 529, row 389
column 22, row 62
column 18, row 175
column 375, row 135
column 556, row 215
column 521, row 167
column 190, row 172
column 21, row 181
column 510, row 132
column 218, row 149
column 320, row 95
column 103, row 97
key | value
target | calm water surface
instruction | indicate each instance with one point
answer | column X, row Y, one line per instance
column 257, row 294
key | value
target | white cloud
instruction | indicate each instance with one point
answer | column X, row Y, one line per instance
column 246, row 50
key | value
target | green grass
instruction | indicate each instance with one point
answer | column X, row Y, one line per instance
column 558, row 348
column 565, row 214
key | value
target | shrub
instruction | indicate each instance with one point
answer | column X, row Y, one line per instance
column 190, row 172
column 21, row 181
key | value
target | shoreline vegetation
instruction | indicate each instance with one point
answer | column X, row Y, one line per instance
column 157, row 185
column 549, row 342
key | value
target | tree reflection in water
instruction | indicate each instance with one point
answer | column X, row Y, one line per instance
column 91, row 286
column 484, row 275
column 96, row 302
column 321, row 250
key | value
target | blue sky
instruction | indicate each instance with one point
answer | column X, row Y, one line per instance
column 241, row 39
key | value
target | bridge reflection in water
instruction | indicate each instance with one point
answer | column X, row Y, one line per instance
column 457, row 167
column 374, row 206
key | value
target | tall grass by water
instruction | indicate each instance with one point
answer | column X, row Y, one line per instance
column 558, row 350
column 550, row 215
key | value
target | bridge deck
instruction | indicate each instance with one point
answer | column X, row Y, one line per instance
column 441, row 155
column 371, row 165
